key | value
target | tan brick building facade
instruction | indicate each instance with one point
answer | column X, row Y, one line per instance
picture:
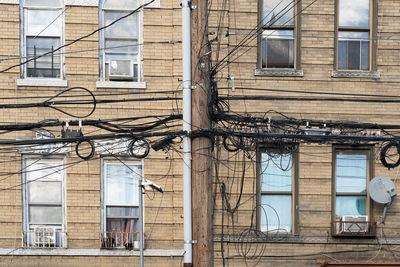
column 313, row 66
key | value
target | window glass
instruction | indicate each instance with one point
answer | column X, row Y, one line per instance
column 43, row 22
column 350, row 205
column 45, row 215
column 351, row 173
column 122, row 212
column 45, row 66
column 276, row 170
column 121, row 47
column 120, row 4
column 354, row 13
column 122, row 184
column 278, row 12
column 45, row 192
column 42, row 3
column 125, row 28
column 44, row 170
column 276, row 213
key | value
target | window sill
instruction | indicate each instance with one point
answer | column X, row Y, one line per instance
column 42, row 82
column 355, row 74
column 279, row 72
column 124, row 85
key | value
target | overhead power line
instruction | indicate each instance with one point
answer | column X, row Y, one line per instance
column 77, row 40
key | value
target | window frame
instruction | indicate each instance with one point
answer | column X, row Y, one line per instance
column 274, row 148
column 40, row 81
column 103, row 82
column 296, row 27
column 103, row 205
column 372, row 53
column 360, row 150
column 26, row 225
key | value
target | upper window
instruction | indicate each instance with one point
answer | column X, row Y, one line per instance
column 277, row 187
column 44, row 202
column 120, row 58
column 351, row 202
column 120, row 204
column 43, row 22
column 279, row 37
column 354, row 32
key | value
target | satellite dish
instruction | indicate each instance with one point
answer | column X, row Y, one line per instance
column 382, row 190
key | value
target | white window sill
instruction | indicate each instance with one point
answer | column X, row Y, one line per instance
column 355, row 74
column 42, row 82
column 123, row 85
column 279, row 72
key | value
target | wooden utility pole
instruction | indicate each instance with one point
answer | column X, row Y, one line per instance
column 202, row 211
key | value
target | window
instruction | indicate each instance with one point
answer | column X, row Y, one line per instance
column 356, row 23
column 276, row 191
column 120, row 203
column 43, row 24
column 44, row 202
column 352, row 169
column 121, row 56
column 279, row 38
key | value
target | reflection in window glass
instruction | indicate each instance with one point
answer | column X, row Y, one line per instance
column 122, row 184
column 45, row 215
column 278, row 12
column 278, row 49
column 43, row 3
column 351, row 183
column 351, row 173
column 276, row 213
column 276, row 192
column 354, row 13
column 120, row 4
column 350, row 205
column 46, row 66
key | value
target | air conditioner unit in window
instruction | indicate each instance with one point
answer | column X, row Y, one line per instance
column 120, row 69
column 354, row 224
column 45, row 237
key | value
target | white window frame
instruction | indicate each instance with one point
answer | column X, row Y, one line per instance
column 102, row 82
column 28, row 162
column 103, row 205
column 40, row 81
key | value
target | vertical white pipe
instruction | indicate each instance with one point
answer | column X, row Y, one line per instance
column 187, row 122
column 141, row 221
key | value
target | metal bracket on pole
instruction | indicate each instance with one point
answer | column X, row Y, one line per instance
column 191, row 87
column 190, row 241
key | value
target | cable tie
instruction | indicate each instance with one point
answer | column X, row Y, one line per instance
column 80, row 124
column 67, row 123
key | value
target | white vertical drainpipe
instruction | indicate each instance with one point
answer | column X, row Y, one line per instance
column 187, row 126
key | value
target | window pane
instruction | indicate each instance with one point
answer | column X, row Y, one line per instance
column 365, row 55
column 44, row 170
column 353, row 55
column 122, row 184
column 276, row 213
column 121, row 46
column 342, row 55
column 122, row 212
column 43, row 3
column 278, row 12
column 279, row 50
column 43, row 22
column 120, row 4
column 45, row 66
column 276, row 172
column 45, row 215
column 354, row 13
column 45, row 192
column 351, row 173
column 125, row 28
column 350, row 205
